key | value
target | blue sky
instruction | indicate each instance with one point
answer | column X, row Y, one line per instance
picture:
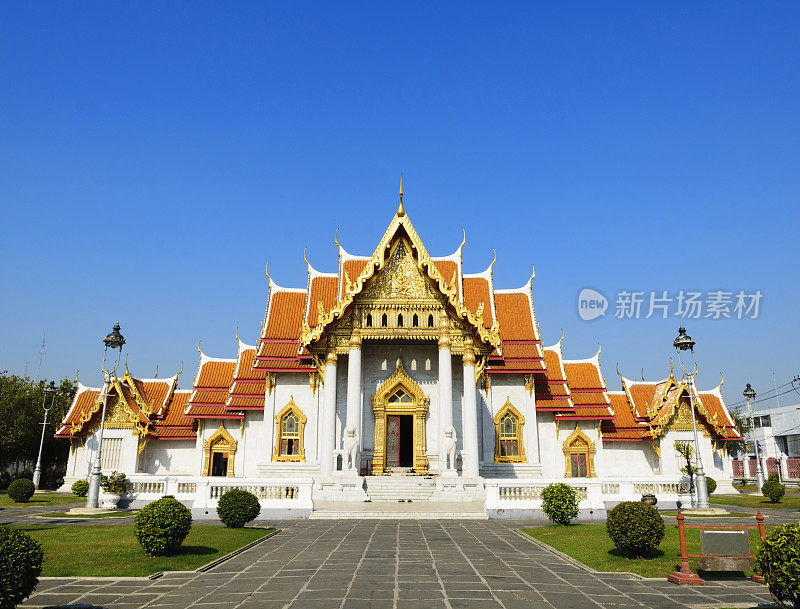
column 154, row 156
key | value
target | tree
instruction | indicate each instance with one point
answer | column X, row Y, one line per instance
column 686, row 450
column 21, row 413
column 742, row 423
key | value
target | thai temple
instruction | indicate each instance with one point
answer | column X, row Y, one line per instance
column 400, row 377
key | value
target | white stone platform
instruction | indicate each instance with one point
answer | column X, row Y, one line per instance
column 423, row 510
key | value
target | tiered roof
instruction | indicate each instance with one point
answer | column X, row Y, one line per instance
column 503, row 321
column 644, row 410
column 152, row 408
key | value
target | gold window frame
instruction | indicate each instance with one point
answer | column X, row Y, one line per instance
column 290, row 408
column 221, row 441
column 508, row 409
column 581, row 444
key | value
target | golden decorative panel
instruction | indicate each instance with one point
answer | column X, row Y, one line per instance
column 416, row 405
column 221, row 441
column 579, row 451
column 290, row 425
column 508, row 424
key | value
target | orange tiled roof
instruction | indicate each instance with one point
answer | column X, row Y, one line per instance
column 353, row 268
column 172, row 433
column 285, row 315
column 447, row 268
column 477, row 290
column 583, row 376
column 203, row 411
column 322, row 289
column 514, row 316
column 216, row 374
column 175, row 413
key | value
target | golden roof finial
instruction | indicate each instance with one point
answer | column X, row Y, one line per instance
column 336, row 238
column 400, row 209
column 156, row 374
column 266, row 270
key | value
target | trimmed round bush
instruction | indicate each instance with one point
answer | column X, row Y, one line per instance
column 711, row 484
column 772, row 489
column 21, row 490
column 160, row 527
column 778, row 559
column 20, row 566
column 560, row 503
column 80, row 488
column 236, row 508
column 636, row 528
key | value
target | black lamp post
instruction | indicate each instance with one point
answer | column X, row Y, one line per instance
column 49, row 392
column 684, row 342
column 113, row 340
column 750, row 394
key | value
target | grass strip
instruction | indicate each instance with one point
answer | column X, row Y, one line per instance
column 112, row 550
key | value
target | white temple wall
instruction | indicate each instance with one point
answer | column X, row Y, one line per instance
column 550, row 447
column 169, row 457
column 714, row 462
column 629, row 460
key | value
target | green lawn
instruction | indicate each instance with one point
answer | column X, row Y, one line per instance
column 737, row 515
column 590, row 544
column 752, row 488
column 112, row 550
column 789, row 502
column 41, row 498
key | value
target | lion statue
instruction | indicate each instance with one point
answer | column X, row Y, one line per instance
column 350, row 447
column 449, row 447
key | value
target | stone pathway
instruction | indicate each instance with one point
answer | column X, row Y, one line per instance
column 391, row 564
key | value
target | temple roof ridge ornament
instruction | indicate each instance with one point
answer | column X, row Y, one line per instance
column 401, row 223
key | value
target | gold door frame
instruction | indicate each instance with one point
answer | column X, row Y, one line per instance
column 418, row 408
column 221, row 441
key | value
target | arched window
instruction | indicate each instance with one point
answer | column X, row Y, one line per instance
column 415, row 321
column 289, row 425
column 579, row 455
column 384, row 321
column 430, row 320
column 369, row 320
column 508, row 423
column 400, row 320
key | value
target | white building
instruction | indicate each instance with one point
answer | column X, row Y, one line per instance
column 398, row 376
column 777, row 431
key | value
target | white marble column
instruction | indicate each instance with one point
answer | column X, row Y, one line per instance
column 445, row 390
column 469, row 416
column 327, row 428
column 353, row 399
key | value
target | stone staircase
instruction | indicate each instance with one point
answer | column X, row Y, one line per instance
column 397, row 487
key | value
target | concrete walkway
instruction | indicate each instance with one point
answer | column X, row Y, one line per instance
column 391, row 564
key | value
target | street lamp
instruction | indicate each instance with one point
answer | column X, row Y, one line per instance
column 684, row 342
column 750, row 394
column 114, row 340
column 49, row 392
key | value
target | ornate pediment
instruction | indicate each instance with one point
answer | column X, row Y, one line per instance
column 400, row 279
column 398, row 295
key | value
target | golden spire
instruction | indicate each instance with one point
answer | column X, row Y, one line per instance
column 400, row 210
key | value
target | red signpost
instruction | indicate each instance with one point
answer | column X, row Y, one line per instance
column 685, row 576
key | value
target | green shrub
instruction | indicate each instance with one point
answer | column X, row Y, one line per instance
column 80, row 488
column 711, row 484
column 236, row 508
column 778, row 559
column 636, row 528
column 772, row 489
column 20, row 567
column 21, row 490
column 116, row 483
column 160, row 527
column 560, row 503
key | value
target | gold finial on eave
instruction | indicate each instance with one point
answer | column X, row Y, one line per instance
column 400, row 209
column 266, row 270
column 336, row 238
column 156, row 374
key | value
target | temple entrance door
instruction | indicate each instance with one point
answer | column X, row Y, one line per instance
column 399, row 440
column 219, row 464
column 392, row 440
